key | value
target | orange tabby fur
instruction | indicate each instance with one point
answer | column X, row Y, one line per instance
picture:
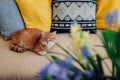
column 32, row 39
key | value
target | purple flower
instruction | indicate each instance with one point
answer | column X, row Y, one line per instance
column 85, row 52
column 109, row 19
column 89, row 74
column 55, row 71
column 68, row 62
column 58, row 71
column 115, row 17
column 112, row 18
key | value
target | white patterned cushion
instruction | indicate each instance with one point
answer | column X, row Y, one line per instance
column 66, row 12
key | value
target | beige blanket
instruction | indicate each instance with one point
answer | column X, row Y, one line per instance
column 28, row 64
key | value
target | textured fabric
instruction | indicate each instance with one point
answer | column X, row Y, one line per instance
column 66, row 12
column 10, row 18
column 26, row 65
column 36, row 13
column 104, row 7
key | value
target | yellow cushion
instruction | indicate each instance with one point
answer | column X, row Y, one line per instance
column 36, row 13
column 104, row 7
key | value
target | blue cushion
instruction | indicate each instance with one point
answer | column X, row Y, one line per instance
column 10, row 18
column 66, row 12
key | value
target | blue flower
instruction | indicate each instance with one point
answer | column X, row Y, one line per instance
column 85, row 52
column 109, row 19
column 115, row 17
column 112, row 18
column 59, row 71
column 89, row 74
column 55, row 71
column 68, row 62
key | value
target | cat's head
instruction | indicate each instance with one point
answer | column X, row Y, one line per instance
column 48, row 39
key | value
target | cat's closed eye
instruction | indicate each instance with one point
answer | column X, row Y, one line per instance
column 51, row 39
column 45, row 38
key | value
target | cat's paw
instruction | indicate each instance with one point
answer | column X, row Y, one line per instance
column 16, row 48
column 42, row 53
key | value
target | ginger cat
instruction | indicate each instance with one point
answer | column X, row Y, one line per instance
column 34, row 40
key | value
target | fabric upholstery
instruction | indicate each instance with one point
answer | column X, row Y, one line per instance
column 104, row 7
column 10, row 18
column 66, row 12
column 36, row 13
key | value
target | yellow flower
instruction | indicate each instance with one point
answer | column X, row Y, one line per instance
column 80, row 39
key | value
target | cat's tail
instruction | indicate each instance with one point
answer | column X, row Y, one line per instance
column 16, row 48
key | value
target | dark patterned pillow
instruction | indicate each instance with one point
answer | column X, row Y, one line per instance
column 66, row 12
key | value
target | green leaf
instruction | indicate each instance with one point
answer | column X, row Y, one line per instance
column 56, row 59
column 113, row 70
column 94, row 65
column 112, row 45
column 59, row 53
column 63, row 49
column 48, row 77
column 100, row 67
column 118, row 43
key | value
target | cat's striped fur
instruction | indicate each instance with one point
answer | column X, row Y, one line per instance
column 34, row 40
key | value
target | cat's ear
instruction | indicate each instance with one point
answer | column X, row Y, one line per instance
column 43, row 33
column 54, row 32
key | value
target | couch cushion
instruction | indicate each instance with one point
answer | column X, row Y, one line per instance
column 10, row 18
column 66, row 12
column 105, row 7
column 36, row 13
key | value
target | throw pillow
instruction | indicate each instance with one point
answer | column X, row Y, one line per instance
column 105, row 7
column 66, row 12
column 10, row 18
column 36, row 13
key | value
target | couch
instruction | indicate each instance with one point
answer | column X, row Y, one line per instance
column 26, row 65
